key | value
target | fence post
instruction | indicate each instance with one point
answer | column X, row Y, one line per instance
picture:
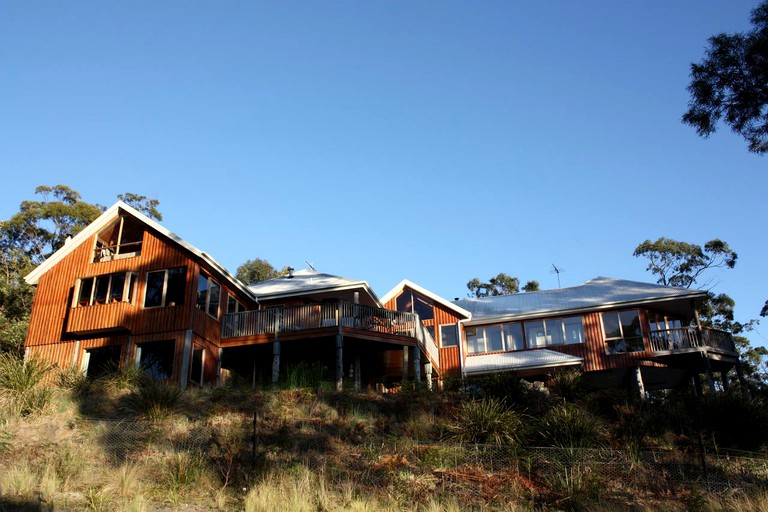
column 703, row 460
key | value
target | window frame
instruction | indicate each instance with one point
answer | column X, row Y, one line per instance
column 456, row 335
column 164, row 293
column 209, row 287
column 611, row 350
column 239, row 306
column 127, row 294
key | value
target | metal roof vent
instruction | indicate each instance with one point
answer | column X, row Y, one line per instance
column 290, row 272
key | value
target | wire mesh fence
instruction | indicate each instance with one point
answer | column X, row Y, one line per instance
column 468, row 472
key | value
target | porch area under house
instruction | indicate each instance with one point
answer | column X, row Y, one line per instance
column 363, row 344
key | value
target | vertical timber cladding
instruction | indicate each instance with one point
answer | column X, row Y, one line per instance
column 594, row 352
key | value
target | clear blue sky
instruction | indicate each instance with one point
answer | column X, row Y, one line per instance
column 434, row 141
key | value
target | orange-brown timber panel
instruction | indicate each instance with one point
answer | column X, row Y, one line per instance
column 211, row 359
column 593, row 350
column 53, row 299
column 60, row 355
column 449, row 362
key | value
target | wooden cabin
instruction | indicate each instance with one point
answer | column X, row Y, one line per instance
column 126, row 290
column 618, row 332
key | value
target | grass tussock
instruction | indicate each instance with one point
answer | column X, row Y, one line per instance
column 488, row 421
column 22, row 388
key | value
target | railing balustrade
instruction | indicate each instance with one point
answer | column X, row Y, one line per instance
column 680, row 338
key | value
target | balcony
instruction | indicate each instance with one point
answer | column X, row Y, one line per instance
column 346, row 315
column 686, row 339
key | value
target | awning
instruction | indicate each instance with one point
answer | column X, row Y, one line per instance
column 523, row 360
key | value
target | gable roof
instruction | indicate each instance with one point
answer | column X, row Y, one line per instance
column 601, row 292
column 109, row 215
column 306, row 282
column 453, row 306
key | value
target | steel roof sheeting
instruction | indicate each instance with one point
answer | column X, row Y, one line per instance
column 522, row 360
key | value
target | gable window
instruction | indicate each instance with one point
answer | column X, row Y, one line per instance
column 121, row 239
column 622, row 332
column 106, row 289
column 165, row 287
column 234, row 305
column 449, row 335
column 208, row 295
column 412, row 302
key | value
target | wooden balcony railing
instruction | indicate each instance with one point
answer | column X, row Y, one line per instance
column 316, row 316
column 670, row 340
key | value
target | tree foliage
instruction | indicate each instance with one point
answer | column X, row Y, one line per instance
column 258, row 270
column 144, row 204
column 682, row 264
column 501, row 284
column 731, row 84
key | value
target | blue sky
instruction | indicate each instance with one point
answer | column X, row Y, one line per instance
column 434, row 141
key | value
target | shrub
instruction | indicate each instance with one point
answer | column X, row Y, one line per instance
column 719, row 414
column 128, row 377
column 567, row 384
column 570, row 426
column 154, row 400
column 74, row 380
column 488, row 421
column 303, row 375
column 22, row 391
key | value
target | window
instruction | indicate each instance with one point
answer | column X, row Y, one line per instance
column 234, row 305
column 197, row 369
column 554, row 331
column 106, row 289
column 411, row 302
column 121, row 239
column 208, row 295
column 156, row 359
column 622, row 332
column 165, row 287
column 485, row 339
column 449, row 335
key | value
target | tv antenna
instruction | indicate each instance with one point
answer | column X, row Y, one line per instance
column 310, row 265
column 556, row 270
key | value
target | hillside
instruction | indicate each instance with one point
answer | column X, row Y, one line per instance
column 123, row 444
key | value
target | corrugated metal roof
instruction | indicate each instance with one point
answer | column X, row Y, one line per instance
column 601, row 291
column 523, row 360
column 306, row 281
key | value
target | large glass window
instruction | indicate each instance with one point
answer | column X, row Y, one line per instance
column 513, row 336
column 483, row 339
column 156, row 359
column 234, row 305
column 106, row 289
column 208, row 295
column 554, row 331
column 622, row 332
column 165, row 287
column 121, row 239
column 449, row 335
column 412, row 302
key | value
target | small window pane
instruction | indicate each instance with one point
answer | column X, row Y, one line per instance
column 611, row 325
column 231, row 305
column 86, row 287
column 118, row 285
column 449, row 336
column 423, row 308
column 405, row 302
column 177, row 280
column 475, row 341
column 630, row 323
column 535, row 334
column 102, row 288
column 213, row 301
column 574, row 330
column 202, row 291
column 513, row 335
column 154, row 294
column 493, row 338
column 554, row 332
column 131, row 287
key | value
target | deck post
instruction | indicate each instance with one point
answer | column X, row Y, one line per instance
column 220, row 354
column 75, row 354
column 339, row 361
column 638, row 383
column 428, row 375
column 724, row 379
column 357, row 374
column 697, row 385
column 405, row 363
column 742, row 382
column 710, row 375
column 275, row 363
column 128, row 347
column 417, row 364
column 185, row 359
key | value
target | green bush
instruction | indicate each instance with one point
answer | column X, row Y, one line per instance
column 567, row 384
column 734, row 421
column 488, row 421
column 119, row 378
column 22, row 390
column 570, row 426
column 154, row 400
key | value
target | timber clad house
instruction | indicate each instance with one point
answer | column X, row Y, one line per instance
column 126, row 291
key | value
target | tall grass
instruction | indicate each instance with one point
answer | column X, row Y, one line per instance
column 570, row 426
column 303, row 375
column 154, row 400
column 488, row 421
column 22, row 390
